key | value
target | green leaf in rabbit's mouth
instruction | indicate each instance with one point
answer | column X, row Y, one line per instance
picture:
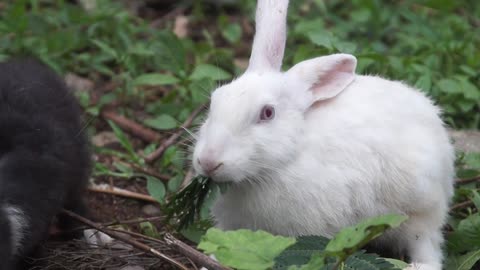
column 187, row 206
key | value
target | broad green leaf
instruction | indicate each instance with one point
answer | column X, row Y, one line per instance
column 321, row 38
column 397, row 263
column 316, row 262
column 195, row 231
column 476, row 198
column 463, row 262
column 156, row 188
column 472, row 160
column 466, row 236
column 449, row 86
column 244, row 249
column 352, row 238
column 170, row 53
column 232, row 32
column 155, row 79
column 467, row 261
column 124, row 141
column 209, row 71
column 105, row 48
column 161, row 122
column 366, row 261
column 175, row 182
column 300, row 252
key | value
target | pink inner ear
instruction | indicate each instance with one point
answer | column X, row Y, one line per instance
column 332, row 81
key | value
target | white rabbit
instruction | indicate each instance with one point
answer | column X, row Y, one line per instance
column 317, row 148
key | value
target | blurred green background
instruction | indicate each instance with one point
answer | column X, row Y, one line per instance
column 156, row 62
column 433, row 45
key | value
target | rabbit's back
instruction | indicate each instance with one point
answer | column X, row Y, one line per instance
column 387, row 129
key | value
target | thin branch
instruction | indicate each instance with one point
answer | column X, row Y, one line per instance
column 123, row 193
column 461, row 205
column 193, row 254
column 151, row 172
column 173, row 138
column 122, row 222
column 125, row 239
column 467, row 180
column 131, row 126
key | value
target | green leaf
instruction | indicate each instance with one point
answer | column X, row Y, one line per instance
column 397, row 263
column 155, row 79
column 124, row 141
column 476, row 198
column 464, row 262
column 467, row 261
column 105, row 48
column 472, row 161
column 174, row 183
column 244, row 249
column 366, row 261
column 170, row 53
column 352, row 238
column 185, row 206
column 316, row 262
column 321, row 38
column 156, row 188
column 467, row 235
column 209, row 71
column 161, row 122
column 301, row 252
column 449, row 86
column 232, row 32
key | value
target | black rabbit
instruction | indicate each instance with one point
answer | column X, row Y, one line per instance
column 44, row 157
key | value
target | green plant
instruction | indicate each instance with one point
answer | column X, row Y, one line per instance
column 247, row 250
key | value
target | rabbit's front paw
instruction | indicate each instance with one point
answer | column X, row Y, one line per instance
column 421, row 266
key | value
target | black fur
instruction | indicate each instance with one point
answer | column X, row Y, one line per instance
column 44, row 154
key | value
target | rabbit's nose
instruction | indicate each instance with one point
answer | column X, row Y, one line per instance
column 209, row 165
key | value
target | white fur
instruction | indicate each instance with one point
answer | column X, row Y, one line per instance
column 95, row 238
column 269, row 41
column 18, row 223
column 342, row 148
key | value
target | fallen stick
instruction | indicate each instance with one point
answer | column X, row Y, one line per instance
column 193, row 254
column 122, row 192
column 173, row 138
column 125, row 239
column 121, row 222
column 461, row 205
column 151, row 172
column 467, row 180
column 131, row 126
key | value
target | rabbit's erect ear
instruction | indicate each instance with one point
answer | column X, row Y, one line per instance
column 328, row 75
column 270, row 35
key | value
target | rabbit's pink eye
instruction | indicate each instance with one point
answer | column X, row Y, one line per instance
column 268, row 113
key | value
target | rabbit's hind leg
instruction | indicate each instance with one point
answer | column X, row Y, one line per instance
column 12, row 223
column 425, row 244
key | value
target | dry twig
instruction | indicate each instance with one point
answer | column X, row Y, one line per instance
column 123, row 193
column 193, row 254
column 172, row 139
column 461, row 205
column 467, row 180
column 125, row 239
column 131, row 126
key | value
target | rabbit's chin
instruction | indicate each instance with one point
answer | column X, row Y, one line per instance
column 230, row 175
